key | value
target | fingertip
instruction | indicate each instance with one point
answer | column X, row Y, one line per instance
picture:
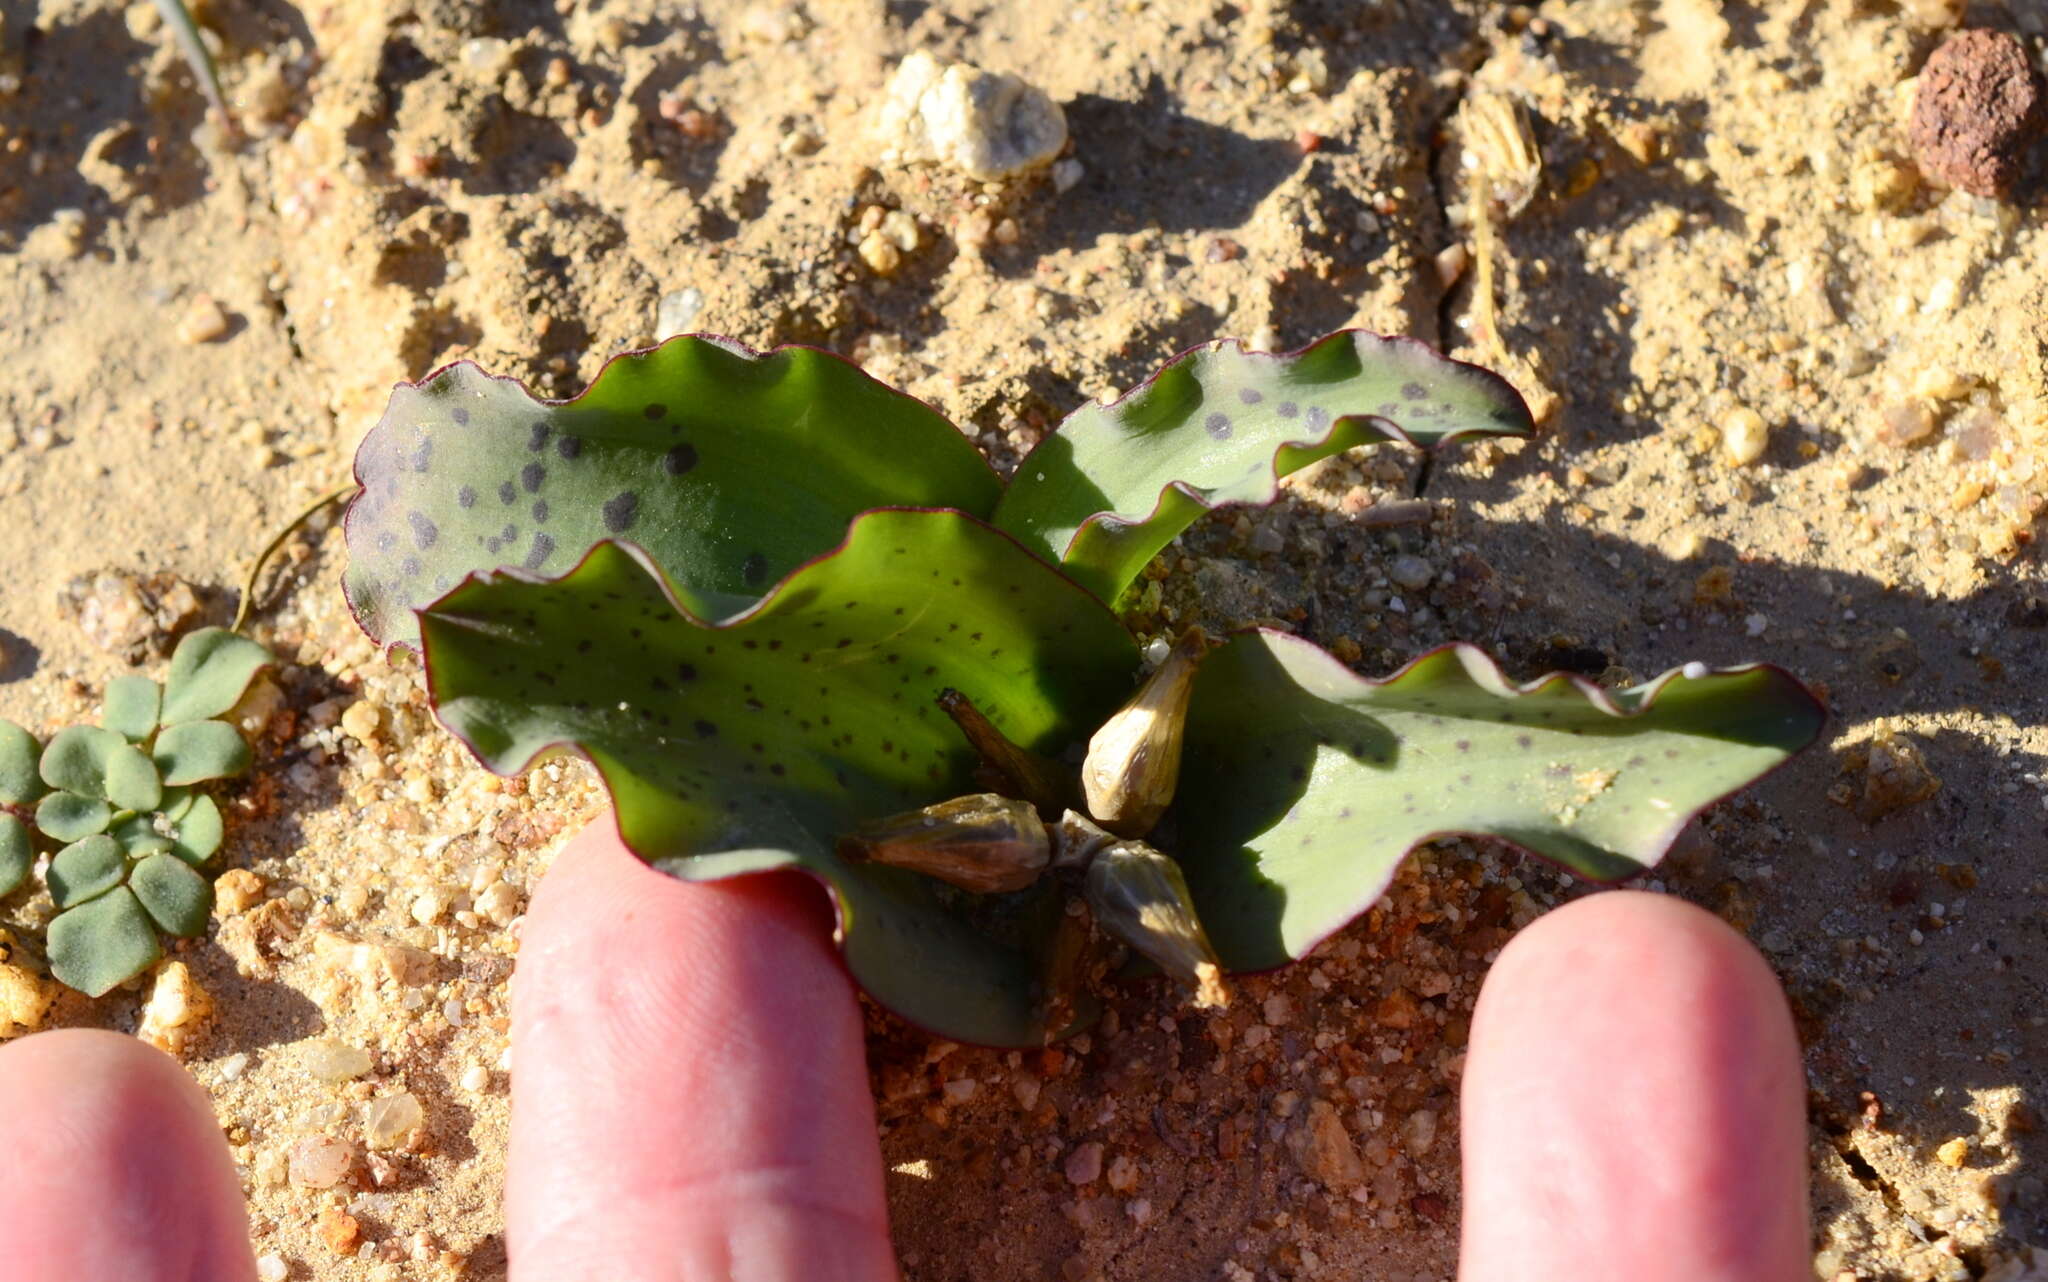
column 116, row 1167
column 689, row 1085
column 1634, row 1103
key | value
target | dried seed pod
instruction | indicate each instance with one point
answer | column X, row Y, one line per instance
column 984, row 843
column 1007, row 768
column 1133, row 761
column 1140, row 897
column 1075, row 840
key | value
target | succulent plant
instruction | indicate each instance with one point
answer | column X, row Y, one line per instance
column 794, row 620
column 121, row 802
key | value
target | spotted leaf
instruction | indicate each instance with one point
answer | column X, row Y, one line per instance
column 730, row 467
column 751, row 744
column 1304, row 785
column 1220, row 425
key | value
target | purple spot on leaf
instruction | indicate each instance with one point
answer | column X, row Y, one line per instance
column 656, row 410
column 1218, row 426
column 424, row 532
column 531, row 476
column 543, row 548
column 465, row 497
column 619, row 511
column 569, row 446
column 679, row 460
column 539, row 439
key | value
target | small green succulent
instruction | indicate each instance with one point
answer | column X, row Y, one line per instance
column 121, row 802
column 795, row 620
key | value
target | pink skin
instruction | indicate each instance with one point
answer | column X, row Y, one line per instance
column 1633, row 1105
column 757, row 1160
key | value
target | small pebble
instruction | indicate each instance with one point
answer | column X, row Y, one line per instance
column 203, row 321
column 476, row 1079
column 1954, row 1153
column 880, row 254
column 330, row 1061
column 387, row 1121
column 677, row 312
column 237, row 891
column 1977, row 105
column 272, row 1268
column 1410, row 571
column 1084, row 1164
column 1744, row 436
column 320, row 1161
column 1123, row 1173
column 499, row 904
column 360, row 721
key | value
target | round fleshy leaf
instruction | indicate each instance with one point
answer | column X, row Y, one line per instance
column 176, row 898
column 196, row 751
column 76, row 759
column 85, row 870
column 131, row 706
column 209, row 671
column 1220, row 425
column 1303, row 785
column 139, row 837
column 198, row 830
column 730, row 467
column 17, row 853
column 100, row 944
column 754, row 743
column 66, row 816
column 20, row 779
column 132, row 780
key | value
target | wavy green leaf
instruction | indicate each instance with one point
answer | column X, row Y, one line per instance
column 1220, row 425
column 731, row 468
column 100, row 944
column 748, row 745
column 1303, row 785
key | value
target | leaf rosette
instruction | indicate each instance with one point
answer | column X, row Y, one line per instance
column 753, row 649
column 120, row 801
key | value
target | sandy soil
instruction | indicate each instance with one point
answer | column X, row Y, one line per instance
column 1727, row 222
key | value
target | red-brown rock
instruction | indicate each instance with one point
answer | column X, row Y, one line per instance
column 1978, row 105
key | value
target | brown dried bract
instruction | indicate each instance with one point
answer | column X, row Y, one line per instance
column 1978, row 105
